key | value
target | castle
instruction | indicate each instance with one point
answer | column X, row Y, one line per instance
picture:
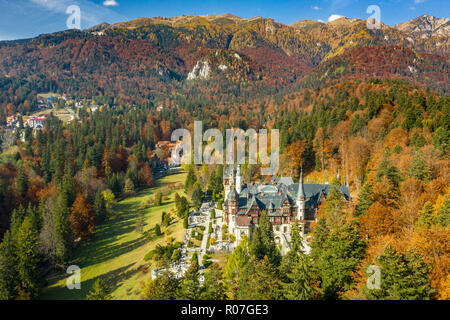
column 284, row 201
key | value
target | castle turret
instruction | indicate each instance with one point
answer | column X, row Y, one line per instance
column 238, row 179
column 301, row 199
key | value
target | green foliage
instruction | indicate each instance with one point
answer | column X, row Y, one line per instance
column 164, row 287
column 157, row 230
column 443, row 216
column 403, row 277
column 441, row 139
column 336, row 247
column 419, row 168
column 99, row 291
column 263, row 243
column 365, row 200
column 100, row 207
column 425, row 216
column 213, row 286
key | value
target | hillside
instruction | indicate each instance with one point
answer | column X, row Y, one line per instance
column 147, row 59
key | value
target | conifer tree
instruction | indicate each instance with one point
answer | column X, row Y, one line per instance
column 99, row 291
column 403, row 277
column 27, row 257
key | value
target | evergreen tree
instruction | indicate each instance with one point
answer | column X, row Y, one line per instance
column 27, row 257
column 8, row 273
column 190, row 179
column 336, row 248
column 403, row 277
column 302, row 281
column 443, row 216
column 99, row 291
column 22, row 182
column 164, row 287
column 419, row 168
column 213, row 287
column 365, row 199
column 99, row 206
column 62, row 233
column 426, row 215
column 190, row 288
column 263, row 243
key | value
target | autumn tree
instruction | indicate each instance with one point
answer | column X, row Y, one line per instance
column 82, row 218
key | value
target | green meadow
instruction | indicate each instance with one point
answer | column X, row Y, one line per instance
column 117, row 251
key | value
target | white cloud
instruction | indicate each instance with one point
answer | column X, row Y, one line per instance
column 418, row 1
column 110, row 3
column 316, row 8
column 320, row 20
column 334, row 17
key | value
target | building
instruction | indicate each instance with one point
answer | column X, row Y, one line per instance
column 282, row 199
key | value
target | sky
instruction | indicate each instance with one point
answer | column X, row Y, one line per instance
column 28, row 18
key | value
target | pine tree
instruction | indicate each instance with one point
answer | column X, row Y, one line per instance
column 365, row 200
column 62, row 234
column 8, row 273
column 403, row 277
column 426, row 215
column 22, row 182
column 259, row 281
column 263, row 243
column 164, row 287
column 99, row 291
column 99, row 206
column 302, row 281
column 443, row 216
column 27, row 257
column 190, row 179
column 336, row 248
column 197, row 196
column 190, row 288
column 419, row 168
column 213, row 287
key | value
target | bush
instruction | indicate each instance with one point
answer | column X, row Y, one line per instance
column 186, row 222
column 213, row 213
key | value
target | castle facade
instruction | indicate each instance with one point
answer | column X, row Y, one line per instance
column 284, row 201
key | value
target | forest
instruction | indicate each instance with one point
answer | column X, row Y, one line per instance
column 388, row 138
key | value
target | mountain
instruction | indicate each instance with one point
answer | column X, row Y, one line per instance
column 215, row 55
column 426, row 27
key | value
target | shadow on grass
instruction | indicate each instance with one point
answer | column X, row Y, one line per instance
column 113, row 279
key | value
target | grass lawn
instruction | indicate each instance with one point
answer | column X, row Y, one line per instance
column 116, row 253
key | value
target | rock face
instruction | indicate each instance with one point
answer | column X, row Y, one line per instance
column 426, row 27
column 201, row 70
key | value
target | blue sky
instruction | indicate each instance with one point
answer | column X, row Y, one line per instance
column 29, row 18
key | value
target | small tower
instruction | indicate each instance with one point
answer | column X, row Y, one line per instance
column 238, row 179
column 301, row 199
column 228, row 180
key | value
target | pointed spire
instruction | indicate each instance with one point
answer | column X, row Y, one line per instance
column 301, row 192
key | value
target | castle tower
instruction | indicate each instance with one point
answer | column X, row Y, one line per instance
column 228, row 180
column 238, row 179
column 301, row 199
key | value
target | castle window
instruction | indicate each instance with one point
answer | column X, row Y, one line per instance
column 277, row 228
